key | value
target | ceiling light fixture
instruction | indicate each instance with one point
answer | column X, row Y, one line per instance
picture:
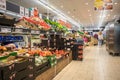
column 61, row 6
column 90, row 15
column 116, row 3
column 108, row 15
column 68, row 12
column 86, row 3
column 103, row 15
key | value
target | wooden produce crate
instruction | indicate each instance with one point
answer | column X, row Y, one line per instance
column 70, row 56
column 62, row 64
column 47, row 75
column 41, row 68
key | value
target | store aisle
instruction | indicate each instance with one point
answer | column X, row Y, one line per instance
column 97, row 65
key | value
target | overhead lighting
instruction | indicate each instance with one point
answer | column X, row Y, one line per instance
column 68, row 12
column 100, row 16
column 114, row 17
column 61, row 6
column 90, row 15
column 116, row 3
column 108, row 15
column 86, row 3
column 103, row 15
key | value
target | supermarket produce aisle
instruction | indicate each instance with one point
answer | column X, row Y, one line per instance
column 97, row 65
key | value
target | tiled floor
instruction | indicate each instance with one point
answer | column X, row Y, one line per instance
column 97, row 65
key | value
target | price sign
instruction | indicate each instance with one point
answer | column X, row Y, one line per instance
column 3, row 4
column 5, row 30
column 19, row 30
column 26, row 12
column 35, row 32
column 22, row 11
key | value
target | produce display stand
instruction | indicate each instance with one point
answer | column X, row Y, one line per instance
column 14, row 71
column 29, row 68
column 62, row 64
column 70, row 56
column 53, row 71
column 23, row 70
column 77, row 51
column 47, row 75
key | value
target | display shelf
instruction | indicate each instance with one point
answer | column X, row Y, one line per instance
column 14, row 30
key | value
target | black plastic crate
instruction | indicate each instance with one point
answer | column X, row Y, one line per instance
column 20, row 75
column 30, row 69
column 21, row 65
column 0, row 74
column 6, row 70
column 40, row 69
column 31, row 61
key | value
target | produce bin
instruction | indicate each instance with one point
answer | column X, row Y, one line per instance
column 6, row 71
column 47, row 75
column 61, row 64
column 41, row 68
column 21, row 65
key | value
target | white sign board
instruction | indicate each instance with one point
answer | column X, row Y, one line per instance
column 22, row 11
column 3, row 4
column 26, row 12
column 5, row 30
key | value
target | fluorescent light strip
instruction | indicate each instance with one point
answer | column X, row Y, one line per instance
column 58, row 12
column 102, row 17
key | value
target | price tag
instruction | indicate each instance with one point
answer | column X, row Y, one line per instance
column 32, row 32
column 3, row 4
column 35, row 32
column 68, row 43
column 19, row 30
column 22, row 12
column 5, row 30
column 26, row 12
column 26, row 31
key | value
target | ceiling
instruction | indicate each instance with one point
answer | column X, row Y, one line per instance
column 81, row 11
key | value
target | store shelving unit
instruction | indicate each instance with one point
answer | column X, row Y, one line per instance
column 28, row 68
column 112, row 38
